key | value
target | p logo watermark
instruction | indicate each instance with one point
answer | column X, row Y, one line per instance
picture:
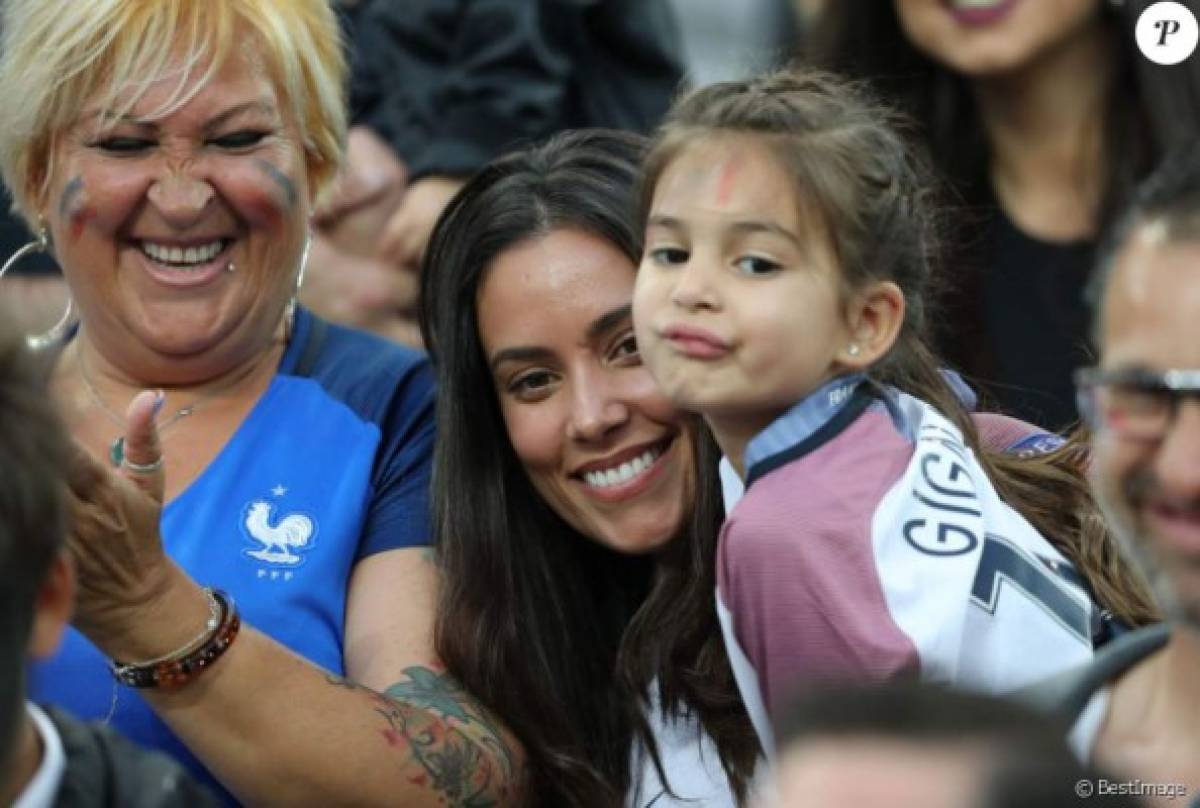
column 1167, row 33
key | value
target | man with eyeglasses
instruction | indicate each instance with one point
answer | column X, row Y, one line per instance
column 1138, row 704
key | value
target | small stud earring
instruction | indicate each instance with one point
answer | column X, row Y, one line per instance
column 853, row 349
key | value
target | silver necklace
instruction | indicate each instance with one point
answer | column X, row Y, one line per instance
column 116, row 449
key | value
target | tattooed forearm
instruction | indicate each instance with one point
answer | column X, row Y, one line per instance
column 460, row 753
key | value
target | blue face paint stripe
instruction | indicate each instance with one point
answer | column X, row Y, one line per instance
column 70, row 192
column 281, row 180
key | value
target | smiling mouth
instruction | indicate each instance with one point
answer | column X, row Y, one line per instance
column 623, row 473
column 1177, row 525
column 979, row 11
column 185, row 258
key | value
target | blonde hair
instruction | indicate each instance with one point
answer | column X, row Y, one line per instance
column 60, row 55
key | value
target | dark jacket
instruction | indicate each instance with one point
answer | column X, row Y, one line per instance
column 104, row 770
column 451, row 84
column 1066, row 695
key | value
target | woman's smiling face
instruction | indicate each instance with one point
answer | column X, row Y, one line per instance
column 980, row 39
column 148, row 212
column 604, row 448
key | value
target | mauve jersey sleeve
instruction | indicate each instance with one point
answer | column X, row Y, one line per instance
column 796, row 570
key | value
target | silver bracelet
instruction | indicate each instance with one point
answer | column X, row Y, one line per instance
column 214, row 620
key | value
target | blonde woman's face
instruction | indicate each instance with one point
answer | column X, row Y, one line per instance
column 980, row 39
column 149, row 213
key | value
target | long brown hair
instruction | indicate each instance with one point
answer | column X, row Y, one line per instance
column 876, row 199
column 561, row 637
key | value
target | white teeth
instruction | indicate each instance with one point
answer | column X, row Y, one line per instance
column 977, row 3
column 622, row 473
column 165, row 254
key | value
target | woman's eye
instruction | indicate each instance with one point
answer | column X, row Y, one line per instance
column 239, row 140
column 753, row 265
column 625, row 349
column 669, row 256
column 532, row 383
column 123, row 145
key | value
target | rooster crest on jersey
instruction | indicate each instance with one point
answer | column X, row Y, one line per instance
column 278, row 539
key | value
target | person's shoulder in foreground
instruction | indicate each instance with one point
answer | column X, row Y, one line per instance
column 53, row 759
column 105, row 769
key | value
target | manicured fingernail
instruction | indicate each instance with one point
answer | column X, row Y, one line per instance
column 160, row 398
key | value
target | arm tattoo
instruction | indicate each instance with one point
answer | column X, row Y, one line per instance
column 460, row 750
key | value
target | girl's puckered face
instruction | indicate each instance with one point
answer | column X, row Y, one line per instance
column 148, row 211
column 738, row 305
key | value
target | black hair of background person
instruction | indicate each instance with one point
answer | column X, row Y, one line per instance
column 1150, row 109
column 451, row 84
column 558, row 635
column 32, row 517
column 1170, row 195
column 1029, row 764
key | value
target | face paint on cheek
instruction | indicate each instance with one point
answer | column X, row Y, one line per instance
column 285, row 189
column 72, row 207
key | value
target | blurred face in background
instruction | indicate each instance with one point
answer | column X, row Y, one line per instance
column 983, row 38
column 1148, row 480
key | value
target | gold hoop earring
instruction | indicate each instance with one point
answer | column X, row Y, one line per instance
column 290, row 311
column 41, row 244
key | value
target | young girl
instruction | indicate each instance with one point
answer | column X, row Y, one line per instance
column 782, row 294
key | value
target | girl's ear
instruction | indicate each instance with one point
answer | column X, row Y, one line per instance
column 874, row 318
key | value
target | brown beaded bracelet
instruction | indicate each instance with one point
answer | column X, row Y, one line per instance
column 178, row 670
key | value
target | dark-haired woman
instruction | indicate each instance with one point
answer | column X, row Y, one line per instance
column 576, row 511
column 1043, row 114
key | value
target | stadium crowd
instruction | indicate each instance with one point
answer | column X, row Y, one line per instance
column 600, row 403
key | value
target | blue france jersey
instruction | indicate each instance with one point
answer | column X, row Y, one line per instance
column 331, row 465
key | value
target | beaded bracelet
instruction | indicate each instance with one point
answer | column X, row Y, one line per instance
column 184, row 665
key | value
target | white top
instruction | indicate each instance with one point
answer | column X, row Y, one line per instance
column 732, row 486
column 1084, row 733
column 43, row 788
column 690, row 760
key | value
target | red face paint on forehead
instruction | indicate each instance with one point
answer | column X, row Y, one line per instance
column 727, row 180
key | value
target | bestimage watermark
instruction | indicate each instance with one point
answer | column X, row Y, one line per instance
column 1130, row 788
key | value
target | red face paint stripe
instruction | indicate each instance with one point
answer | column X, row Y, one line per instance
column 79, row 220
column 726, row 181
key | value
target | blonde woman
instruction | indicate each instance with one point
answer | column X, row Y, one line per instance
column 249, row 496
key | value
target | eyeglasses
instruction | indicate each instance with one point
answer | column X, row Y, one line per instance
column 1132, row 402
